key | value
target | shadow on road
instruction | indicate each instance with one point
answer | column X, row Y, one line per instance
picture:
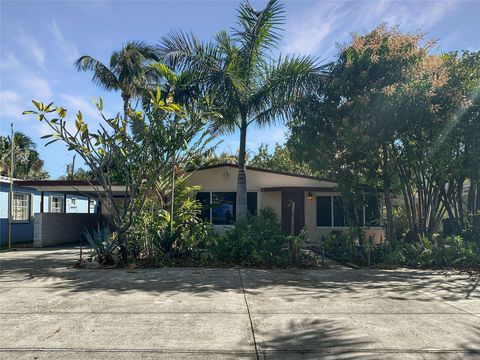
column 56, row 267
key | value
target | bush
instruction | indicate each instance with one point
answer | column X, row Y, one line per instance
column 441, row 251
column 153, row 241
column 255, row 241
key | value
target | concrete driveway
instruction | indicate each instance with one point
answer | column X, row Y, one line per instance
column 51, row 311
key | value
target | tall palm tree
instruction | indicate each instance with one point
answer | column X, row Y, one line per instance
column 27, row 162
column 246, row 83
column 125, row 73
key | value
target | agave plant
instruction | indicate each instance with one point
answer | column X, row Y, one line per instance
column 103, row 245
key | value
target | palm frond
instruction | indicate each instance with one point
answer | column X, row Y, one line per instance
column 258, row 31
column 285, row 81
column 181, row 50
column 160, row 71
column 102, row 75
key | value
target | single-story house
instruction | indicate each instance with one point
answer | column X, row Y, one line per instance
column 318, row 205
column 29, row 201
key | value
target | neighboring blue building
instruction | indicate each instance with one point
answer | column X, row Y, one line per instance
column 27, row 202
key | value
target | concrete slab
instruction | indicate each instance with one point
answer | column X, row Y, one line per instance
column 169, row 332
column 61, row 354
column 362, row 332
column 53, row 311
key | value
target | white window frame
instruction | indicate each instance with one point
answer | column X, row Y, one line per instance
column 29, row 207
column 332, row 216
column 50, row 203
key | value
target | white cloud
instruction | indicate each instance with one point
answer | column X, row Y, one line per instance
column 36, row 86
column 434, row 12
column 66, row 47
column 31, row 45
column 11, row 104
column 75, row 103
column 9, row 62
column 326, row 23
column 307, row 33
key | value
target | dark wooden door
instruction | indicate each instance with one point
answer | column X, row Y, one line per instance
column 299, row 216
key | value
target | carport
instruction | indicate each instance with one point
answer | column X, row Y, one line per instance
column 62, row 228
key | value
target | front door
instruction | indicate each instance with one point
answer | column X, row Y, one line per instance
column 288, row 198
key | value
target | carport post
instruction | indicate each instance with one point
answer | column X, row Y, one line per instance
column 88, row 204
column 65, row 203
column 42, row 195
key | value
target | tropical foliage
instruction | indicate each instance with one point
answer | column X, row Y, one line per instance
column 126, row 71
column 248, row 86
column 389, row 117
column 144, row 156
column 26, row 159
column 397, row 117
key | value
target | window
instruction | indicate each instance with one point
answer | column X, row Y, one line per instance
column 74, row 202
column 91, row 205
column 324, row 211
column 372, row 212
column 331, row 212
column 204, row 199
column 221, row 209
column 56, row 204
column 252, row 202
column 21, row 207
column 338, row 212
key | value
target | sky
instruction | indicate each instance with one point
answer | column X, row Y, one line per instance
column 41, row 39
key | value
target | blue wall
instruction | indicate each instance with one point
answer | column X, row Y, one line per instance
column 23, row 232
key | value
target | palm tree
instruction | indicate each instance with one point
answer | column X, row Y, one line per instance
column 126, row 72
column 238, row 70
column 28, row 164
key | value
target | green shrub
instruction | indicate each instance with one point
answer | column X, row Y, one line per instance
column 153, row 241
column 255, row 241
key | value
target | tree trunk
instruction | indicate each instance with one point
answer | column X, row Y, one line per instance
column 387, row 193
column 242, row 176
column 126, row 106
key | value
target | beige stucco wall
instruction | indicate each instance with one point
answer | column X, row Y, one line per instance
column 225, row 179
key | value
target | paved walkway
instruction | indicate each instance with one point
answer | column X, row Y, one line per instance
column 52, row 311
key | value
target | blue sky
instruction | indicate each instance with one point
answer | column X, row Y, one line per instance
column 41, row 39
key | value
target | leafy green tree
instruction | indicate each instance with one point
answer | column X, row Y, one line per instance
column 280, row 160
column 78, row 174
column 457, row 144
column 357, row 115
column 245, row 83
column 144, row 155
column 125, row 73
column 27, row 162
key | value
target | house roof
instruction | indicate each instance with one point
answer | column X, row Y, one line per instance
column 254, row 168
column 69, row 186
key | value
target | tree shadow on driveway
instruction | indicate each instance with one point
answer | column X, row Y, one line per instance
column 54, row 268
column 312, row 339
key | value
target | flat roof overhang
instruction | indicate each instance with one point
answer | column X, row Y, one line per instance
column 299, row 188
column 72, row 187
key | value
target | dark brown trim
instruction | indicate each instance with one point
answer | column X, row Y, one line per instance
column 57, row 183
column 253, row 168
column 298, row 188
column 42, row 201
